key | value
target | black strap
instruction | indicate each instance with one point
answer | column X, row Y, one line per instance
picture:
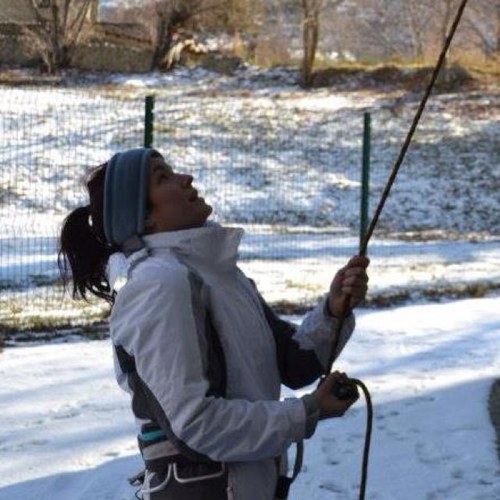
column 284, row 482
column 283, row 487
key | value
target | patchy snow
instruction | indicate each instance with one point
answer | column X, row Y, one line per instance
column 66, row 430
column 284, row 157
column 396, row 267
column 289, row 163
column 297, row 151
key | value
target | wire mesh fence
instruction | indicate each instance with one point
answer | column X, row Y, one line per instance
column 259, row 163
column 285, row 167
column 49, row 140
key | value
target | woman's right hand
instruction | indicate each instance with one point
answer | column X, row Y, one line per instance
column 331, row 406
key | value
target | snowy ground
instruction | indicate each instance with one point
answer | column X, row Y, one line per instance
column 290, row 162
column 274, row 157
column 66, row 430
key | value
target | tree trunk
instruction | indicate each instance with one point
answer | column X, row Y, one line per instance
column 310, row 36
column 415, row 13
column 170, row 17
column 56, row 31
column 237, row 43
column 497, row 47
column 162, row 42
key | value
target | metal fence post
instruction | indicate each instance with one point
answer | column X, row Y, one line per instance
column 149, row 121
column 365, row 176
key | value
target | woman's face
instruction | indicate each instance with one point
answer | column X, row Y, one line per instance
column 173, row 202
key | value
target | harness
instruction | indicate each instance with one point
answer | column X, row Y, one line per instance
column 160, row 455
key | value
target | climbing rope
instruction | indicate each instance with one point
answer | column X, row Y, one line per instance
column 364, row 243
column 409, row 137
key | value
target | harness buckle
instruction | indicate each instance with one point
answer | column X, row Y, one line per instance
column 194, row 479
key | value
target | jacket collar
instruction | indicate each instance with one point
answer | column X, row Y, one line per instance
column 209, row 245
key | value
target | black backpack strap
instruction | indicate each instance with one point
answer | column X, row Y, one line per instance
column 284, row 482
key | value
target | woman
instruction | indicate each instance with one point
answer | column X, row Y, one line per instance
column 198, row 349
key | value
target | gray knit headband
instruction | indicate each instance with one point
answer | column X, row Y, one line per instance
column 125, row 194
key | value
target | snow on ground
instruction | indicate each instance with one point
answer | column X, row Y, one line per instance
column 290, row 162
column 286, row 156
column 266, row 155
column 396, row 266
column 66, row 430
column 267, row 257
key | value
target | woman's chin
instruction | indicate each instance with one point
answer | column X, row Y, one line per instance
column 208, row 208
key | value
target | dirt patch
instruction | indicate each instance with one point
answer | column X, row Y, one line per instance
column 98, row 330
column 92, row 331
column 434, row 294
column 438, row 235
column 402, row 297
column 454, row 78
column 29, row 77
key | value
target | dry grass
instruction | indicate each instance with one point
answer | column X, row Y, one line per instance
column 401, row 297
column 459, row 74
column 36, row 310
column 486, row 70
column 389, row 77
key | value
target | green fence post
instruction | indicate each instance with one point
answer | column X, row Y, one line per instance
column 149, row 121
column 365, row 177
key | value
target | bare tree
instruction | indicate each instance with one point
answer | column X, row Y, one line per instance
column 480, row 26
column 56, row 29
column 419, row 15
column 409, row 30
column 383, row 27
column 244, row 21
column 311, row 10
column 165, row 19
column 483, row 19
column 310, row 37
column 447, row 10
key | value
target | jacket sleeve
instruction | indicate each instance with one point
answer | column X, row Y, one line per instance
column 303, row 352
column 153, row 323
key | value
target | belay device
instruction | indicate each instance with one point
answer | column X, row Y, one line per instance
column 348, row 390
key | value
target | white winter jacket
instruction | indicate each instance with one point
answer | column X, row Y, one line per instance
column 156, row 323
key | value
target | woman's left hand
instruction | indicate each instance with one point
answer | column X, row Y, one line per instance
column 350, row 281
